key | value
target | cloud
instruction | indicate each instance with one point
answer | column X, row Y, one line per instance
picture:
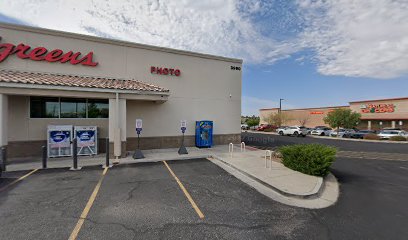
column 357, row 38
column 251, row 105
column 221, row 27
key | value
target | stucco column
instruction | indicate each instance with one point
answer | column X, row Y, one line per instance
column 369, row 125
column 117, row 127
column 3, row 120
column 393, row 124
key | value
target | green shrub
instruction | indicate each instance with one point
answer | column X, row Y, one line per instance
column 312, row 159
column 398, row 138
column 372, row 136
column 269, row 130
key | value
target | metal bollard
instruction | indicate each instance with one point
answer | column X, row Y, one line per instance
column 75, row 154
column 107, row 153
column 44, row 156
column 4, row 158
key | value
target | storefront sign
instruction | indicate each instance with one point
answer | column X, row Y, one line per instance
column 377, row 108
column 165, row 71
column 316, row 112
column 24, row 51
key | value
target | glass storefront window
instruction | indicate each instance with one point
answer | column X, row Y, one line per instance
column 48, row 107
column 73, row 108
column 44, row 107
column 98, row 108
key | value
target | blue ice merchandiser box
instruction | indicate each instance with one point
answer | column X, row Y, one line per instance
column 204, row 133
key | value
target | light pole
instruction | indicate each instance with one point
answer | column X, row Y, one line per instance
column 280, row 104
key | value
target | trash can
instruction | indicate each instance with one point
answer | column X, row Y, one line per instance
column 204, row 133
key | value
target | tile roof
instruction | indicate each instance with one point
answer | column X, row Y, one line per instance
column 52, row 79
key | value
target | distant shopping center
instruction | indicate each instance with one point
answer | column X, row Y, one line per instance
column 375, row 114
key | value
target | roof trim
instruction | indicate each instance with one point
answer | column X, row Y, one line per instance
column 149, row 88
column 378, row 100
column 299, row 109
column 115, row 42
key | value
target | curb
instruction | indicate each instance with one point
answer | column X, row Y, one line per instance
column 317, row 190
column 333, row 138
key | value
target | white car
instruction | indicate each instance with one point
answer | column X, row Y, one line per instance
column 343, row 133
column 321, row 131
column 295, row 131
column 387, row 134
column 244, row 126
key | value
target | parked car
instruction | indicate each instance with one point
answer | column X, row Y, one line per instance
column 262, row 127
column 387, row 134
column 343, row 133
column 321, row 131
column 293, row 131
column 309, row 130
column 244, row 126
column 361, row 133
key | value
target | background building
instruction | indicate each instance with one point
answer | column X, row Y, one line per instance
column 56, row 78
column 375, row 114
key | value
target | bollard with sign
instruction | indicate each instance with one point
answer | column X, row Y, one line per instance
column 183, row 127
column 138, row 153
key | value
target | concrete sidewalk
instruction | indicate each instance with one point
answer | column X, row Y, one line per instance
column 278, row 182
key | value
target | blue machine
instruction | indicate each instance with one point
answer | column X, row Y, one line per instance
column 204, row 133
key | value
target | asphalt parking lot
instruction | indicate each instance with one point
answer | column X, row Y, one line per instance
column 144, row 201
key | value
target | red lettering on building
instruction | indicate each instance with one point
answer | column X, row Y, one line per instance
column 165, row 71
column 41, row 54
column 316, row 113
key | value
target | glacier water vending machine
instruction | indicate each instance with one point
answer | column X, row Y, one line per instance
column 59, row 140
column 87, row 140
column 204, row 133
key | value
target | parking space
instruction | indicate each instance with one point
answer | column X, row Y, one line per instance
column 144, row 201
column 46, row 204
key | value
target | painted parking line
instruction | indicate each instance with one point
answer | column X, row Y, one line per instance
column 18, row 180
column 88, row 206
column 188, row 196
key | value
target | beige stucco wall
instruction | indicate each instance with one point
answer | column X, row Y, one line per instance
column 202, row 92
column 312, row 117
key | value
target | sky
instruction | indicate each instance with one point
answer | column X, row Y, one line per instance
column 312, row 53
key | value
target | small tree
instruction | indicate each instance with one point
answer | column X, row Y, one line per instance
column 277, row 119
column 303, row 120
column 344, row 118
column 253, row 121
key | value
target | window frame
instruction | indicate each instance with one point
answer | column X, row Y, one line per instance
column 59, row 110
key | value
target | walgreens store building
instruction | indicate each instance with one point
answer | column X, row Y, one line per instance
column 51, row 78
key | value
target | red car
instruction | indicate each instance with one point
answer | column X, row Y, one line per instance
column 262, row 127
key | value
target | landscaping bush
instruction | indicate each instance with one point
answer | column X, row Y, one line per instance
column 312, row 159
column 269, row 130
column 372, row 137
column 398, row 138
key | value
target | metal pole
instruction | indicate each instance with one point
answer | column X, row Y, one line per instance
column 107, row 152
column 138, row 140
column 44, row 156
column 4, row 158
column 75, row 153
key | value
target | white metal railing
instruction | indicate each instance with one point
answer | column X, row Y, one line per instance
column 243, row 147
column 231, row 149
column 268, row 154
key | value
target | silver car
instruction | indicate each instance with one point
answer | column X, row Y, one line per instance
column 323, row 131
column 343, row 133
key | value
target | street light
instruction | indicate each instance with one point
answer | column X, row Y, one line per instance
column 280, row 104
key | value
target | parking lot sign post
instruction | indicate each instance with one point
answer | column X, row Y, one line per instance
column 183, row 127
column 3, row 158
column 75, row 155
column 139, row 126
